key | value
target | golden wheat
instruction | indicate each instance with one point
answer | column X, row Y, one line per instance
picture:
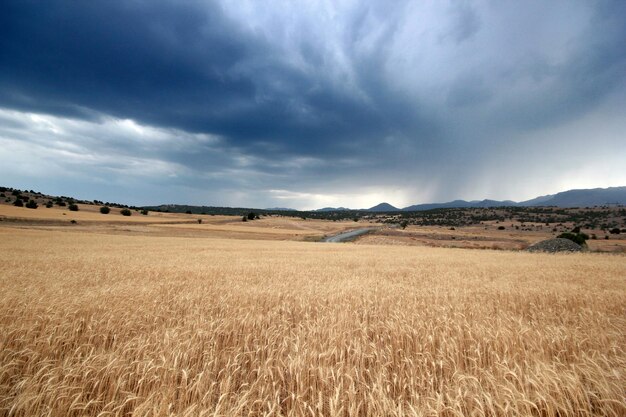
column 99, row 325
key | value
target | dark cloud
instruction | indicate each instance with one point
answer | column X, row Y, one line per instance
column 465, row 22
column 188, row 66
column 308, row 97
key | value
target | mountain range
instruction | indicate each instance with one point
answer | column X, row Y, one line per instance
column 572, row 198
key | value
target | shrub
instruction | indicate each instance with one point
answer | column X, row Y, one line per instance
column 49, row 204
column 199, row 221
column 105, row 210
column 576, row 229
column 61, row 203
column 144, row 212
column 614, row 231
column 73, row 221
column 18, row 203
column 501, row 227
column 188, row 212
column 16, row 192
column 579, row 238
column 126, row 212
column 244, row 219
column 251, row 216
column 404, row 224
column 73, row 207
column 32, row 204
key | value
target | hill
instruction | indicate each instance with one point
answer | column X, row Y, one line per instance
column 333, row 209
column 382, row 207
column 582, row 198
column 571, row 198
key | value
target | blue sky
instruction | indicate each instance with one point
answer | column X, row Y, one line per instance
column 307, row 104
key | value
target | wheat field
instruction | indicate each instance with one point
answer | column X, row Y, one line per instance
column 115, row 325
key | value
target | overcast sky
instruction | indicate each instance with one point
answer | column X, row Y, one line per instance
column 307, row 104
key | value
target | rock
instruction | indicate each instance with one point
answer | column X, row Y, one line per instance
column 555, row 245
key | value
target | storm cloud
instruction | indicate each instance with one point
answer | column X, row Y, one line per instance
column 311, row 103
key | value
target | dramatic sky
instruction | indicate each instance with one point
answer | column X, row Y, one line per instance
column 307, row 104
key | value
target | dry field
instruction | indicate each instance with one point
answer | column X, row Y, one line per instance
column 485, row 236
column 96, row 324
column 89, row 219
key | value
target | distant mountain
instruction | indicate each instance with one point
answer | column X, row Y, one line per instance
column 571, row 198
column 582, row 198
column 333, row 209
column 280, row 209
column 538, row 201
column 383, row 207
column 460, row 204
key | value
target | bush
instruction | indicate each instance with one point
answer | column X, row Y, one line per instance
column 49, row 204
column 199, row 221
column 188, row 212
column 105, row 210
column 404, row 224
column 144, row 212
column 32, row 204
column 61, row 203
column 18, row 203
column 73, row 207
column 576, row 229
column 614, row 231
column 244, row 219
column 501, row 227
column 579, row 238
column 126, row 212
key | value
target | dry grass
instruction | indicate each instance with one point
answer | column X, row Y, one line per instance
column 484, row 236
column 101, row 325
column 89, row 219
column 86, row 213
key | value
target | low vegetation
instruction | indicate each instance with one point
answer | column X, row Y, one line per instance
column 579, row 238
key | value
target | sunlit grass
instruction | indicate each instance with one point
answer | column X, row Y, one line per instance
column 96, row 325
